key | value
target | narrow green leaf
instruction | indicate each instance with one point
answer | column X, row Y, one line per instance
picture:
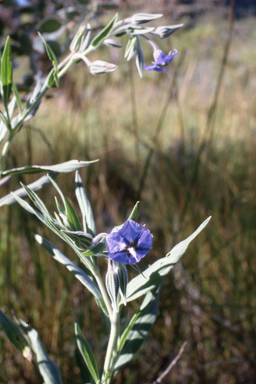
column 86, row 352
column 15, row 336
column 98, row 40
column 156, row 272
column 68, row 166
column 85, row 206
column 49, row 51
column 134, row 211
column 6, row 73
column 138, row 329
column 48, row 369
column 53, row 59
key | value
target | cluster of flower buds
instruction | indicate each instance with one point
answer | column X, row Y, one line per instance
column 135, row 28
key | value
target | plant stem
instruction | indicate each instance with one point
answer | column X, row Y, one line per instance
column 103, row 291
column 114, row 332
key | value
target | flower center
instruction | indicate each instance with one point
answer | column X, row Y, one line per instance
column 132, row 252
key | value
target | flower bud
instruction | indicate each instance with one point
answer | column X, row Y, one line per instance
column 112, row 43
column 121, row 270
column 98, row 67
column 141, row 18
column 112, row 285
column 165, row 31
column 76, row 42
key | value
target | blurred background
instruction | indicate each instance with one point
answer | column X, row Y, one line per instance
column 184, row 146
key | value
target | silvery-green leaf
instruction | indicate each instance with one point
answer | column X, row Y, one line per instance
column 137, row 330
column 15, row 336
column 141, row 18
column 156, row 272
column 48, row 369
column 98, row 40
column 21, row 192
column 68, row 166
column 73, row 221
column 72, row 267
column 85, row 206
column 86, row 351
column 50, row 222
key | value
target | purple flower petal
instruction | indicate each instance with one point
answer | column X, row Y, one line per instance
column 129, row 244
column 161, row 60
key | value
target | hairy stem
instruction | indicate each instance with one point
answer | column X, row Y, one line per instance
column 103, row 291
column 112, row 342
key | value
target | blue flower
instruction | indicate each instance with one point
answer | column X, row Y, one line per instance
column 161, row 60
column 129, row 244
